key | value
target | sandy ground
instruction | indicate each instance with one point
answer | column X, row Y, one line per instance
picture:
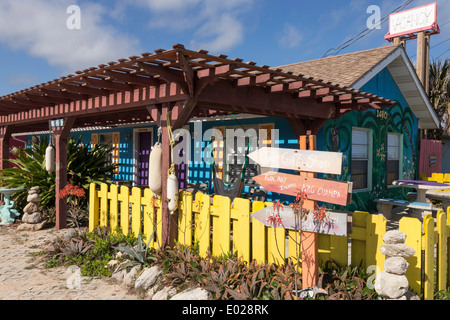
column 24, row 277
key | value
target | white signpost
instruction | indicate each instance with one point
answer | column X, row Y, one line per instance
column 334, row 224
column 300, row 160
column 414, row 20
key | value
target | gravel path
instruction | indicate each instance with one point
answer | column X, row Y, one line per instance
column 24, row 277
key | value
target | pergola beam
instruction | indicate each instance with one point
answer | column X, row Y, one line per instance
column 106, row 84
column 130, row 78
column 83, row 90
column 260, row 101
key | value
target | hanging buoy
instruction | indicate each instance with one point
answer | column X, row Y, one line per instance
column 172, row 192
column 50, row 159
column 154, row 169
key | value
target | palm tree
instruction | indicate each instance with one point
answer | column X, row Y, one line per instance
column 439, row 94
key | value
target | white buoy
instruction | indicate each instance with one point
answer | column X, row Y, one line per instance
column 154, row 169
column 172, row 192
column 50, row 159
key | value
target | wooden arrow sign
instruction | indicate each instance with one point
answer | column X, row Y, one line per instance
column 301, row 160
column 334, row 224
column 316, row 189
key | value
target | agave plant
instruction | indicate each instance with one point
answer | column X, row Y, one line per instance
column 85, row 164
column 139, row 253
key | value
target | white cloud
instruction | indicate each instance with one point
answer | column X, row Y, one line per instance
column 291, row 36
column 215, row 25
column 39, row 28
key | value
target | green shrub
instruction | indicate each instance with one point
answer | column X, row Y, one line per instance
column 85, row 164
column 91, row 251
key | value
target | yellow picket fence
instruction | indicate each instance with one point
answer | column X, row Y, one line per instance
column 219, row 227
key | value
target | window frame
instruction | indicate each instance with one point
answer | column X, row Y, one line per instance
column 400, row 156
column 369, row 157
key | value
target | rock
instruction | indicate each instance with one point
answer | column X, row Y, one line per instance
column 34, row 190
column 112, row 264
column 396, row 265
column 118, row 275
column 397, row 250
column 164, row 293
column 394, row 237
column 31, row 227
column 31, row 207
column 391, row 286
column 196, row 294
column 34, row 198
column 411, row 296
column 32, row 218
column 130, row 277
column 71, row 233
column 148, row 278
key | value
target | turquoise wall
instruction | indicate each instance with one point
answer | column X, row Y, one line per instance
column 396, row 119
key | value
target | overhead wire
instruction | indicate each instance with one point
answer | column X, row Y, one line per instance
column 364, row 33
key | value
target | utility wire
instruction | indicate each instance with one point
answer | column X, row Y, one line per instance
column 443, row 53
column 363, row 33
column 433, row 46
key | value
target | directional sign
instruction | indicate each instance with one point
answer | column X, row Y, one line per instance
column 316, row 189
column 334, row 224
column 301, row 160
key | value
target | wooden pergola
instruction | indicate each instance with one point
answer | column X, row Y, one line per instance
column 183, row 82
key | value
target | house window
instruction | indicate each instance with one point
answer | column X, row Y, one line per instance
column 393, row 158
column 360, row 158
column 229, row 155
column 112, row 139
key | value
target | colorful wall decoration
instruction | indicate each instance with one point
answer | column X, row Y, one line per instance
column 336, row 135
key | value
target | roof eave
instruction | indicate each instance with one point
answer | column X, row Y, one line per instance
column 431, row 122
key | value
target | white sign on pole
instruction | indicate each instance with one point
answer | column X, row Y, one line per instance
column 334, row 224
column 300, row 160
column 413, row 20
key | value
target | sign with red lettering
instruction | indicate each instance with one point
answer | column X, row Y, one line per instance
column 316, row 189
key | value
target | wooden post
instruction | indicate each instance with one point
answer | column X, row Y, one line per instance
column 61, row 135
column 421, row 60
column 309, row 240
column 5, row 138
column 427, row 64
column 169, row 222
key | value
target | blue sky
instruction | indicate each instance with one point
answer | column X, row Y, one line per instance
column 36, row 46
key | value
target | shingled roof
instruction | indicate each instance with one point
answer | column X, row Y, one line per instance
column 344, row 69
column 354, row 69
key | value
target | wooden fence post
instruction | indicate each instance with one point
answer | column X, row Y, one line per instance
column 113, row 196
column 259, row 236
column 412, row 227
column 93, row 207
column 203, row 225
column 124, row 197
column 428, row 247
column 185, row 219
column 442, row 232
column 242, row 229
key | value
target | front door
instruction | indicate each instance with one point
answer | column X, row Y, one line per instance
column 145, row 147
